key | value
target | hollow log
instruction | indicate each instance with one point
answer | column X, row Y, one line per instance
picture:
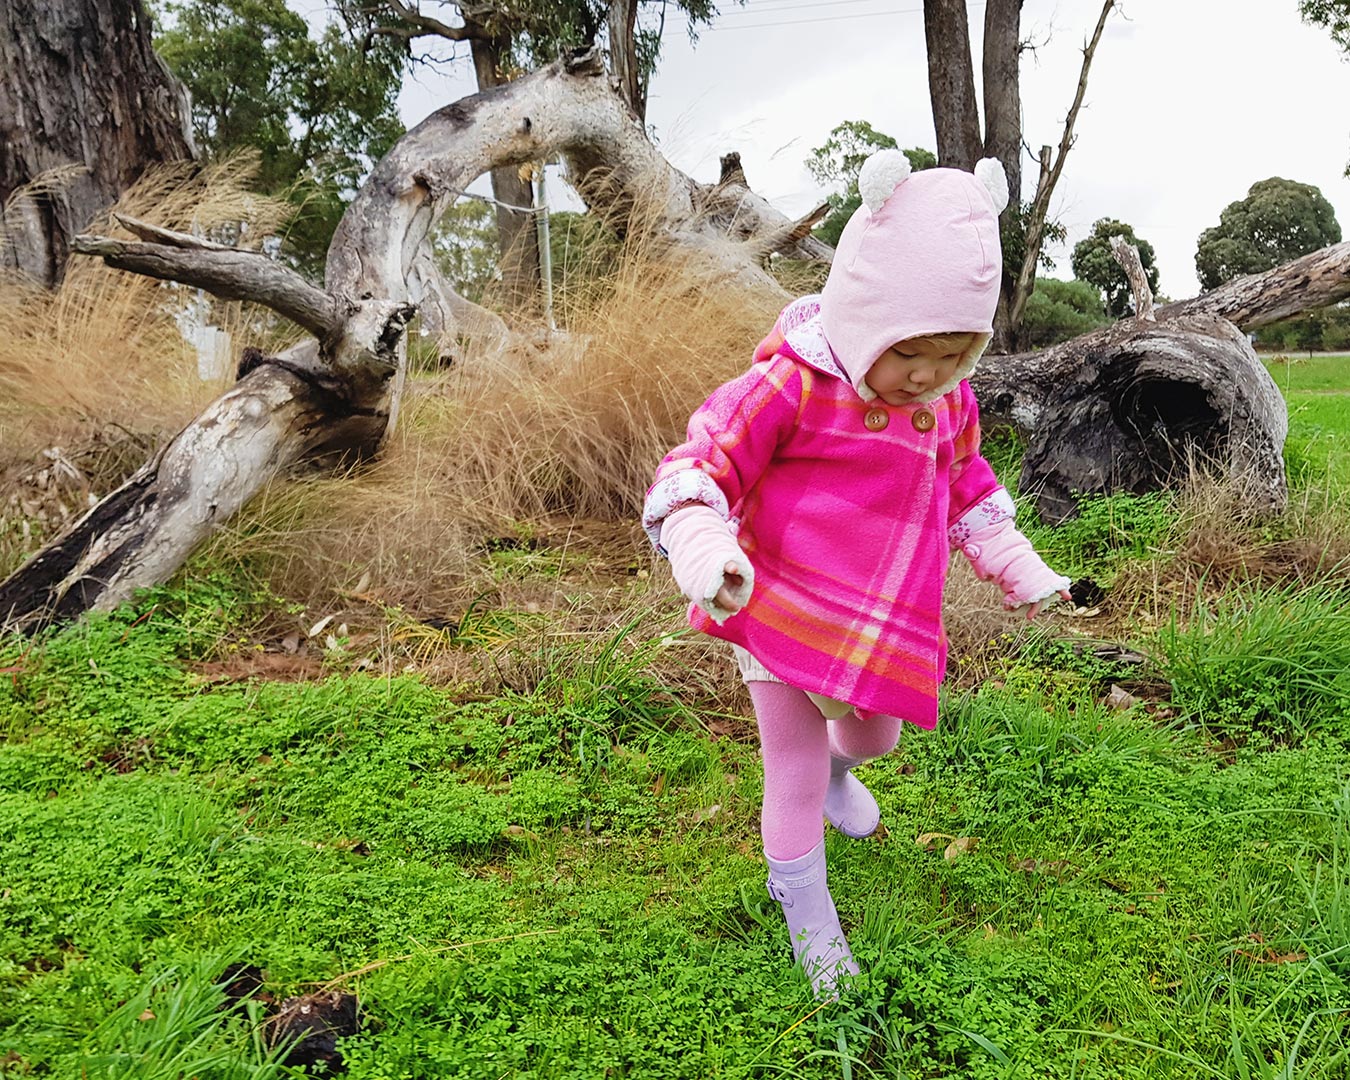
column 1126, row 408
column 1133, row 406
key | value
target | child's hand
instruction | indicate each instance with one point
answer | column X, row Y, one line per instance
column 1001, row 554
column 1035, row 609
column 733, row 582
column 709, row 566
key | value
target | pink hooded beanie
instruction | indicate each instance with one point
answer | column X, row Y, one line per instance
column 920, row 256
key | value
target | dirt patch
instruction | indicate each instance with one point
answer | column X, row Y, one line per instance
column 254, row 664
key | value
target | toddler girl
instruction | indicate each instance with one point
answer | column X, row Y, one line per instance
column 810, row 514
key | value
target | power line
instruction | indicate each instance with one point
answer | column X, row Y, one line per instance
column 803, row 22
column 788, row 5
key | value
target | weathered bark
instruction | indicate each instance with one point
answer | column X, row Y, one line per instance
column 951, row 83
column 227, row 272
column 141, row 533
column 1127, row 407
column 1127, row 255
column 1002, row 91
column 1310, row 281
column 81, row 86
column 1003, row 127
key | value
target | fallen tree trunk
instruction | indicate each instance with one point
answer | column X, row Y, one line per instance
column 1134, row 406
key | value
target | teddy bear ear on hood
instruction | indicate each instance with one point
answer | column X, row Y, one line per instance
column 989, row 172
column 880, row 175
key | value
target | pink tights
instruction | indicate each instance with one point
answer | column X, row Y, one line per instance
column 798, row 743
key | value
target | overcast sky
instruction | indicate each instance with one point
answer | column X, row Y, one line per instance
column 1189, row 102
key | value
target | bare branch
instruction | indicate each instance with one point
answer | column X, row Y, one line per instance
column 156, row 234
column 419, row 25
column 225, row 272
column 1050, row 173
column 1128, row 256
column 795, row 240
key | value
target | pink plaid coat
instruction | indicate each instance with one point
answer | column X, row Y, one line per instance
column 847, row 527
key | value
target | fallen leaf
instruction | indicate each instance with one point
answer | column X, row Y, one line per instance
column 147, row 1015
column 925, row 840
column 962, row 845
column 1272, row 957
column 660, row 784
column 318, row 627
column 291, row 643
column 708, row 813
column 718, row 728
column 1120, row 698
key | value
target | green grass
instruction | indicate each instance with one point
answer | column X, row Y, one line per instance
column 545, row 888
column 1318, row 392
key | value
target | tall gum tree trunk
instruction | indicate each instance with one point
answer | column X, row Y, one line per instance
column 79, row 85
column 517, row 238
column 1003, row 125
column 622, row 24
column 951, row 83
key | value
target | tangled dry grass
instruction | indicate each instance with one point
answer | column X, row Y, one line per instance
column 95, row 374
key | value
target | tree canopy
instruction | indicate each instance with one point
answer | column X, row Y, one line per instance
column 1334, row 15
column 320, row 111
column 1279, row 220
column 1094, row 262
column 1059, row 310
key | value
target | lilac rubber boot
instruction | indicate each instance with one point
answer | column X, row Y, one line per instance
column 849, row 806
column 818, row 942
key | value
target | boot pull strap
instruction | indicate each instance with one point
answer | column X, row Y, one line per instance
column 779, row 893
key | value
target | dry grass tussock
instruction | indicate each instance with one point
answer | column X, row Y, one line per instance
column 1217, row 542
column 94, row 374
column 503, row 443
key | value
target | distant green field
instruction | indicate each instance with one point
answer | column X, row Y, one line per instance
column 1294, row 372
column 1318, row 392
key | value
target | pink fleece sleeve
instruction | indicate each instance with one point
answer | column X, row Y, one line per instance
column 972, row 479
column 731, row 439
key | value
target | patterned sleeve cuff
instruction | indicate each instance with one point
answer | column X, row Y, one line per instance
column 684, row 486
column 990, row 510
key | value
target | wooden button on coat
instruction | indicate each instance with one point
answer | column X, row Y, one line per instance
column 923, row 420
column 877, row 419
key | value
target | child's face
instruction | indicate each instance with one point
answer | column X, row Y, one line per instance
column 913, row 367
